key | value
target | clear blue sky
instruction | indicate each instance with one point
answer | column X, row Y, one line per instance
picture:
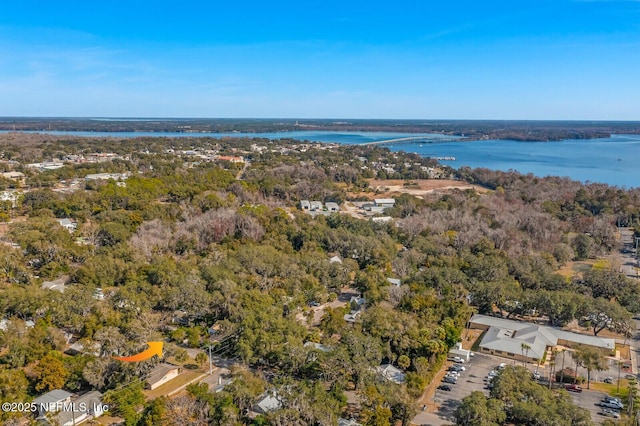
column 515, row 59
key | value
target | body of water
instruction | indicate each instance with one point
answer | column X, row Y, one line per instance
column 613, row 160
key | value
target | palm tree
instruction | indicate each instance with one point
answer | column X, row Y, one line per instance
column 562, row 371
column 525, row 353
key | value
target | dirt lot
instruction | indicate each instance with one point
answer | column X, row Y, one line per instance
column 388, row 188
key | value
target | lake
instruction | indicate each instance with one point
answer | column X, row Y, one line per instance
column 612, row 160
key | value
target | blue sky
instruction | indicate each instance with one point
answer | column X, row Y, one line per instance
column 517, row 59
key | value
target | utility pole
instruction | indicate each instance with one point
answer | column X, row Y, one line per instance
column 210, row 361
column 619, row 364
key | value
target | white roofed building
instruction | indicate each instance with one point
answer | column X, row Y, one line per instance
column 523, row 340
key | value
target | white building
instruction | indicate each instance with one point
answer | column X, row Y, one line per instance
column 523, row 340
column 332, row 207
column 391, row 373
column 384, row 202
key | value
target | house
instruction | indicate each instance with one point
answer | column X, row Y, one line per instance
column 315, row 205
column 160, row 375
column 269, row 402
column 305, row 205
column 350, row 422
column 55, row 285
column 358, row 301
column 527, row 341
column 230, row 158
column 384, row 202
column 68, row 224
column 391, row 373
column 317, row 346
column 83, row 408
column 52, row 401
column 394, row 281
column 352, row 316
column 106, row 176
column 84, row 347
column 335, row 259
column 332, row 207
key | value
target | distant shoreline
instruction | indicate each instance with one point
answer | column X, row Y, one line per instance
column 526, row 131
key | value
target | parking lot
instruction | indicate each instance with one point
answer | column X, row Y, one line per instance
column 472, row 379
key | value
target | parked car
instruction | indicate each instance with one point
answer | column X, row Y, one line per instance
column 613, row 402
column 502, row 366
column 451, row 380
column 573, row 388
column 609, row 413
column 608, row 403
column 458, row 360
column 536, row 375
column 445, row 388
column 457, row 367
column 608, row 380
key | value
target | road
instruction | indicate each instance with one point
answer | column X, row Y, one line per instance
column 628, row 260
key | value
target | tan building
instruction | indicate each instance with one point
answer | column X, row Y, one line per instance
column 162, row 374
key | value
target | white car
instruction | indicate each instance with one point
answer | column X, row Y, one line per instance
column 458, row 360
column 502, row 366
column 457, row 367
column 609, row 413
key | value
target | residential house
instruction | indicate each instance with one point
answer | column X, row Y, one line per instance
column 106, row 176
column 391, row 373
column 394, row 281
column 305, row 205
column 384, row 202
column 352, row 316
column 52, row 401
column 85, row 407
column 315, row 206
column 68, row 224
column 332, row 207
column 350, row 422
column 160, row 375
column 269, row 402
column 317, row 346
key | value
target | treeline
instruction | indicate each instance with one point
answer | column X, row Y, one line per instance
column 470, row 129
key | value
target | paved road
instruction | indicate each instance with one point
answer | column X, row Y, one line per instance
column 628, row 261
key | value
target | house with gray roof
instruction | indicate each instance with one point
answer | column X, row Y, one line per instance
column 52, row 401
column 391, row 373
column 84, row 407
column 527, row 341
column 269, row 402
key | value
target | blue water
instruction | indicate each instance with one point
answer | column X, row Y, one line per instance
column 613, row 160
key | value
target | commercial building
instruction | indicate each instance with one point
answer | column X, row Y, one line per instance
column 527, row 341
